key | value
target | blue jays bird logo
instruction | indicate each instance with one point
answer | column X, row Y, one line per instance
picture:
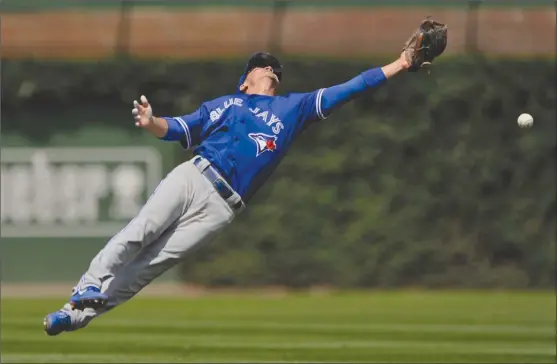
column 264, row 142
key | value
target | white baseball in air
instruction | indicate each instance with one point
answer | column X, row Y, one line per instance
column 525, row 120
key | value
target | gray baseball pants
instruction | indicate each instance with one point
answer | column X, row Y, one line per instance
column 184, row 210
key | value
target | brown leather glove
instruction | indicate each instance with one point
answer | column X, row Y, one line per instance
column 428, row 42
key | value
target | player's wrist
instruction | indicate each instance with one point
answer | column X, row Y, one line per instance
column 393, row 68
column 403, row 61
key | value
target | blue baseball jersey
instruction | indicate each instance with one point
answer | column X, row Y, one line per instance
column 246, row 136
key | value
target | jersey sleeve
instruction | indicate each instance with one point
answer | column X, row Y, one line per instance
column 321, row 103
column 309, row 105
column 187, row 129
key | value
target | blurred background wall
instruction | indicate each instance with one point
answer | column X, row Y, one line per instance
column 426, row 182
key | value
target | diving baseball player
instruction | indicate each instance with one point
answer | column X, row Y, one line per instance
column 238, row 141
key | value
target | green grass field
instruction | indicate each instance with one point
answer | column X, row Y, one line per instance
column 407, row 327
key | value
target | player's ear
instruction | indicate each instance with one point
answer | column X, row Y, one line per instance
column 244, row 87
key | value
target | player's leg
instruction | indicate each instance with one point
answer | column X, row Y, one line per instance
column 166, row 204
column 157, row 258
column 205, row 216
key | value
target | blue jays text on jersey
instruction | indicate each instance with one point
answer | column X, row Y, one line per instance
column 246, row 136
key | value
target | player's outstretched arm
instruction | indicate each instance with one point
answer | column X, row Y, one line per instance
column 186, row 128
column 335, row 96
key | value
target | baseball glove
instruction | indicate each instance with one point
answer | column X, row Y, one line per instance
column 428, row 42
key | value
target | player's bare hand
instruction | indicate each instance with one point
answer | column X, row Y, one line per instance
column 142, row 112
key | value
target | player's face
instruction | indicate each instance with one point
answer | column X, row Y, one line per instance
column 261, row 73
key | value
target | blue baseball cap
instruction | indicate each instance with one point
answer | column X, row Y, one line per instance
column 261, row 60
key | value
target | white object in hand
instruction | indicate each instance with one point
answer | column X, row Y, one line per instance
column 525, row 120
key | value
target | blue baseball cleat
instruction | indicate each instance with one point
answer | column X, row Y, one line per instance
column 90, row 298
column 57, row 322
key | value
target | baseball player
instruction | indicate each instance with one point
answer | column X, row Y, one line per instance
column 238, row 141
